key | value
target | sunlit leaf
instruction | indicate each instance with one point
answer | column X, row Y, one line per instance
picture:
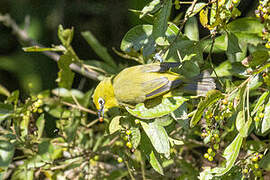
column 204, row 17
column 266, row 119
column 158, row 137
column 211, row 97
column 63, row 92
column 135, row 137
column 152, row 6
column 115, row 124
column 260, row 101
column 42, row 49
column 197, row 8
column 230, row 154
column 165, row 107
column 155, row 163
column 6, row 110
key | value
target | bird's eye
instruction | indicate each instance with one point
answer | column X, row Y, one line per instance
column 101, row 101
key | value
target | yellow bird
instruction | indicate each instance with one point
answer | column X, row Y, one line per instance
column 139, row 83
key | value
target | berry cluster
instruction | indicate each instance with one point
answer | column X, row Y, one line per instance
column 263, row 12
column 251, row 165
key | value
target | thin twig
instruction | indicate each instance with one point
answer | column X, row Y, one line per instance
column 25, row 40
column 79, row 107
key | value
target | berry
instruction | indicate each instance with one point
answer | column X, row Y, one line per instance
column 209, row 150
column 119, row 159
column 96, row 157
column 245, row 171
column 216, row 146
column 256, row 165
column 137, row 121
column 206, row 155
column 129, row 145
column 210, row 158
column 261, row 115
column 128, row 132
column 257, row 119
column 254, row 159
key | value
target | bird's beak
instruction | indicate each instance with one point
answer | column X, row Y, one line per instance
column 101, row 114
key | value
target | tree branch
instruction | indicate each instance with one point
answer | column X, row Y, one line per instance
column 25, row 40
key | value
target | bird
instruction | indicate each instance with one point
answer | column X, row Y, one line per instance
column 140, row 83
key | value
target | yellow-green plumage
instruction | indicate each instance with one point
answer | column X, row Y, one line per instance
column 138, row 83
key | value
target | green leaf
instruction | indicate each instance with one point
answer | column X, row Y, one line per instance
column 135, row 137
column 185, row 49
column 260, row 101
column 150, row 7
column 191, row 29
column 240, row 120
column 65, row 75
column 228, row 68
column 230, row 154
column 155, row 163
column 197, row 8
column 189, row 69
column 176, row 141
column 65, row 93
column 4, row 91
column 99, row 49
column 158, row 137
column 6, row 110
column 266, row 119
column 115, row 124
column 65, row 35
column 136, row 38
column 165, row 107
column 161, row 21
column 6, row 153
column 233, row 44
column 23, row 174
column 71, row 129
column 211, row 97
column 40, row 123
column 59, row 48
column 258, row 57
column 164, row 121
column 265, row 162
column 250, row 25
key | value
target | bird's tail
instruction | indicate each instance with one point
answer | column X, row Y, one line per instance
column 200, row 84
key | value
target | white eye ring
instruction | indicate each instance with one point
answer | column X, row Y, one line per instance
column 101, row 101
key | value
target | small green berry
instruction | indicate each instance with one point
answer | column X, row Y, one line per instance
column 128, row 132
column 137, row 121
column 210, row 158
column 206, row 155
column 245, row 171
column 119, row 160
column 216, row 146
column 261, row 115
column 254, row 159
column 129, row 145
column 256, row 165
column 216, row 135
column 96, row 157
column 257, row 119
column 125, row 138
column 209, row 150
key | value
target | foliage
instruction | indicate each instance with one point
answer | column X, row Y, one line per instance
column 55, row 133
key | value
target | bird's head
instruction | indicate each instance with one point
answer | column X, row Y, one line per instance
column 104, row 97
